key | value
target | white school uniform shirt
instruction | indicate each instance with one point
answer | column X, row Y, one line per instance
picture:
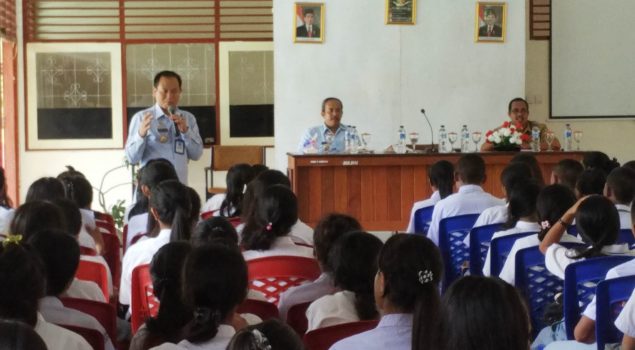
column 88, row 218
column 304, row 293
column 470, row 199
column 54, row 311
column 508, row 272
column 331, row 310
column 301, row 233
column 214, row 204
column 434, row 198
column 139, row 254
column 621, row 270
column 100, row 260
column 625, row 216
column 6, row 215
column 625, row 322
column 280, row 246
column 521, row 226
column 88, row 290
column 219, row 342
column 85, row 239
column 137, row 225
column 494, row 215
column 557, row 257
column 394, row 332
column 58, row 338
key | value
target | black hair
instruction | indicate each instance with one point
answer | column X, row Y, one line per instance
column 471, row 169
column 621, row 181
column 195, row 201
column 307, row 11
column 16, row 335
column 215, row 229
column 632, row 214
column 598, row 224
column 214, row 283
column 441, row 175
column 59, row 252
column 166, row 74
column 477, row 309
column 5, row 201
column 489, row 11
column 35, row 216
column 517, row 99
column 155, row 171
column 275, row 214
column 412, row 267
column 522, row 202
column 532, row 162
column 166, row 271
column 514, row 174
column 278, row 335
column 630, row 164
column 238, row 176
column 78, row 189
column 70, row 172
column 599, row 160
column 354, row 259
column 257, row 187
column 257, row 169
column 328, row 99
column 552, row 202
column 328, row 230
column 591, row 181
column 22, row 281
column 568, row 171
column 71, row 214
column 45, row 188
column 173, row 205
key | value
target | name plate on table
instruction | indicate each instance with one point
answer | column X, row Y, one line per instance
column 319, row 161
column 350, row 163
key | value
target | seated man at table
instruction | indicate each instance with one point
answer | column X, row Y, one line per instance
column 332, row 131
column 518, row 112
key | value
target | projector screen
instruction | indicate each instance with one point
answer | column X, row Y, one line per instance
column 592, row 59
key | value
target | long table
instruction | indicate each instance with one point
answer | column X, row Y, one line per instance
column 379, row 189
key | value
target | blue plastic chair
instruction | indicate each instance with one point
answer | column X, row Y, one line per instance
column 580, row 280
column 423, row 216
column 609, row 300
column 456, row 255
column 626, row 236
column 500, row 248
column 480, row 238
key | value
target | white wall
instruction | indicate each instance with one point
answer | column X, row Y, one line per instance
column 386, row 74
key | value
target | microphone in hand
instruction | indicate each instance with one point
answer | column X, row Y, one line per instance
column 171, row 111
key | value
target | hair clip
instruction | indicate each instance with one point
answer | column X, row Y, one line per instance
column 12, row 239
column 545, row 224
column 269, row 226
column 261, row 340
column 425, row 276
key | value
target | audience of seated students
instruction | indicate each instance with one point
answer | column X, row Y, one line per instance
column 566, row 173
column 590, row 181
column 355, row 259
column 228, row 204
column 441, row 179
column 470, row 198
column 599, row 160
column 483, row 313
column 170, row 205
column 327, row 232
column 271, row 334
column 139, row 219
column 23, row 284
column 407, row 283
column 6, row 204
column 266, row 232
column 620, row 189
column 60, row 265
column 532, row 163
column 214, row 284
column 625, row 322
column 552, row 202
column 521, row 215
column 16, row 335
column 169, row 323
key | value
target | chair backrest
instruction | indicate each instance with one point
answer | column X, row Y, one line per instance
column 456, row 255
column 224, row 157
column 94, row 272
column 273, row 275
column 112, row 255
column 324, row 338
column 610, row 298
column 143, row 302
column 103, row 312
column 580, row 280
column 626, row 236
column 480, row 238
column 263, row 309
column 99, row 216
column 296, row 318
column 92, row 336
column 87, row 251
column 422, row 217
column 500, row 248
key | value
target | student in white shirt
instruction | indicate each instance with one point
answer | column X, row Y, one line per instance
column 566, row 173
column 407, row 296
column 270, row 334
column 16, row 335
column 354, row 257
column 625, row 322
column 470, row 199
column 228, row 204
column 620, row 189
column 441, row 179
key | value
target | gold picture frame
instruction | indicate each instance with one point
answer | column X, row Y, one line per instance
column 303, row 31
column 401, row 12
column 490, row 22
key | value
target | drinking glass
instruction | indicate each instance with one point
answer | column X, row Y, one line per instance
column 476, row 137
column 452, row 136
column 414, row 138
column 577, row 137
column 366, row 137
column 549, row 137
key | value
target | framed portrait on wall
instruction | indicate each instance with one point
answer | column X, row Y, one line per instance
column 401, row 11
column 490, row 22
column 308, row 22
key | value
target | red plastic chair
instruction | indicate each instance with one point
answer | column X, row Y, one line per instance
column 94, row 272
column 273, row 275
column 263, row 309
column 296, row 318
column 93, row 337
column 112, row 255
column 87, row 251
column 324, row 338
column 104, row 313
column 143, row 302
column 99, row 216
column 235, row 221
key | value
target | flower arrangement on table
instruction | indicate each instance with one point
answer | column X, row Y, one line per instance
column 507, row 137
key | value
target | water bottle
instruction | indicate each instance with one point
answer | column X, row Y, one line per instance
column 347, row 140
column 402, row 139
column 535, row 139
column 465, row 139
column 568, row 138
column 354, row 139
column 443, row 140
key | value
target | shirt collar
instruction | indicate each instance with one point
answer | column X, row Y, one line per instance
column 325, row 129
column 467, row 188
column 527, row 226
column 616, row 249
column 51, row 301
column 392, row 320
column 623, row 207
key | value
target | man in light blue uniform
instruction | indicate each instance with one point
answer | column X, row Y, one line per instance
column 331, row 132
column 163, row 130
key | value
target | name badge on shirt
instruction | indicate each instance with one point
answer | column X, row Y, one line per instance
column 179, row 147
